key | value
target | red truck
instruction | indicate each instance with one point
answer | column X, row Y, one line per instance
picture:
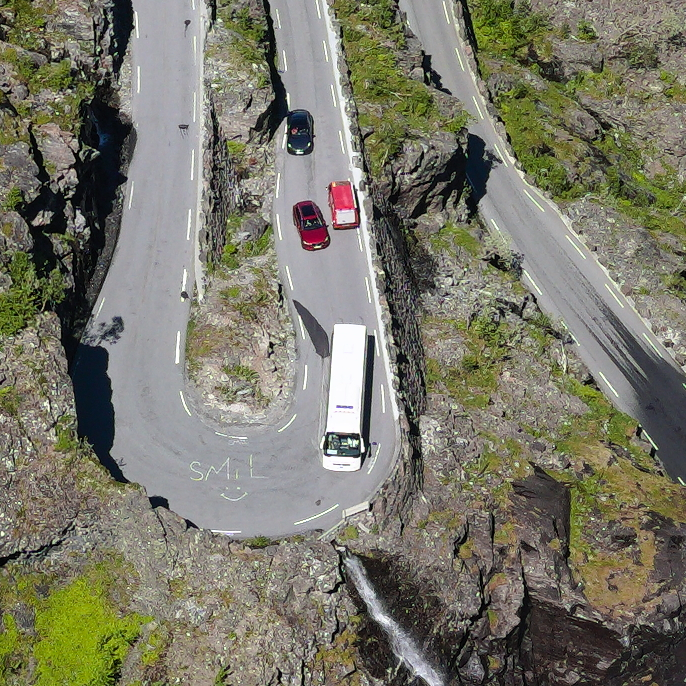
column 345, row 213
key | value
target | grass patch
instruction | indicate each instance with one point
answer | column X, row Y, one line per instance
column 28, row 295
column 81, row 637
column 476, row 377
column 453, row 237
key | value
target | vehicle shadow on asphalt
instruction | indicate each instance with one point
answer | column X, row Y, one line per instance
column 319, row 337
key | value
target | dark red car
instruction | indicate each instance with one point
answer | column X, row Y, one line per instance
column 309, row 221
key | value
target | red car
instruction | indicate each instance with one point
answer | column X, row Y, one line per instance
column 309, row 221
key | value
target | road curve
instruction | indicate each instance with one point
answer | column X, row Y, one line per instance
column 634, row 370
column 129, row 371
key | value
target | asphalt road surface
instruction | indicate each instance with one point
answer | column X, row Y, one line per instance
column 636, row 373
column 129, row 372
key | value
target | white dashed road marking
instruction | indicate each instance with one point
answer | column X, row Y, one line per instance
column 290, row 281
column 192, row 163
column 445, row 9
column 319, row 12
column 190, row 221
column 333, row 96
column 278, row 227
column 478, row 109
column 278, row 183
column 500, row 154
column 287, row 424
column 195, row 104
column 278, row 20
column 135, row 19
column 305, row 379
column 373, row 462
column 534, row 201
column 383, row 400
column 533, row 283
column 185, row 407
column 177, row 356
column 302, row 327
column 102, row 302
column 359, row 240
column 369, row 292
column 340, row 138
column 321, row 514
column 285, row 62
column 608, row 384
column 326, row 51
column 652, row 345
column 376, row 344
column 131, row 193
column 578, row 249
column 459, row 57
column 614, row 295
column 496, row 227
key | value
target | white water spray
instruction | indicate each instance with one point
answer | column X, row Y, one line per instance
column 404, row 647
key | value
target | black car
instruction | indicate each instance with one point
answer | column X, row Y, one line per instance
column 300, row 132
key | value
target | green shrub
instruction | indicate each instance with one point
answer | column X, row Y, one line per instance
column 82, row 641
column 585, row 31
column 13, row 200
column 9, row 639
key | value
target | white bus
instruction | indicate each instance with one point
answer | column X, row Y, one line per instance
column 342, row 442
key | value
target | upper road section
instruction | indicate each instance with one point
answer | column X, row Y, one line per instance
column 129, row 374
column 635, row 371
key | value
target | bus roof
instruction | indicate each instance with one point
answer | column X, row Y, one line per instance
column 348, row 361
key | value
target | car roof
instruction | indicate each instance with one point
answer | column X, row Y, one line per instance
column 307, row 206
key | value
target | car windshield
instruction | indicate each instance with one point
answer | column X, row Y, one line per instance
column 311, row 223
column 299, row 126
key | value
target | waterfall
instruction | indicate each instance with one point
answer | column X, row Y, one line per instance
column 404, row 646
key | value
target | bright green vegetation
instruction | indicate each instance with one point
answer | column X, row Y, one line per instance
column 611, row 165
column 389, row 102
column 235, row 253
column 81, row 638
column 13, row 199
column 452, row 237
column 242, row 381
column 472, row 381
column 9, row 400
column 28, row 295
column 259, row 542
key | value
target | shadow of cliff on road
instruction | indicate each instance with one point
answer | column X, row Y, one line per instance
column 480, row 161
column 93, row 398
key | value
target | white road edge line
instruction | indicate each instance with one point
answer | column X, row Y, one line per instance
column 321, row 514
column 533, row 283
column 135, row 19
column 290, row 281
column 195, row 46
column 193, row 7
column 496, row 227
column 319, row 12
column 359, row 239
column 333, row 96
column 383, row 400
column 340, row 138
column 278, row 183
column 283, row 141
column 302, row 327
column 138, row 73
column 369, row 292
column 478, row 109
column 445, row 9
column 652, row 345
column 192, row 163
column 177, row 356
column 190, row 221
column 503, row 159
column 185, row 407
column 326, row 51
column 608, row 384
column 534, row 201
column 305, row 379
column 285, row 426
column 650, row 440
column 459, row 57
column 133, row 183
column 278, row 227
column 614, row 295
column 278, row 20
column 285, row 61
column 288, row 100
column 373, row 461
column 681, row 481
column 183, row 280
column 376, row 344
column 102, row 302
column 578, row 249
column 195, row 104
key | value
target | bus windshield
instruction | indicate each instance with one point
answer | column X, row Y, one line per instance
column 342, row 444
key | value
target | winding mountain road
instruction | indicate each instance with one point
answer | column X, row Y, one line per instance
column 129, row 371
column 634, row 370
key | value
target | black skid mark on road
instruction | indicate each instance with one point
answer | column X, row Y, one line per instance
column 319, row 337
